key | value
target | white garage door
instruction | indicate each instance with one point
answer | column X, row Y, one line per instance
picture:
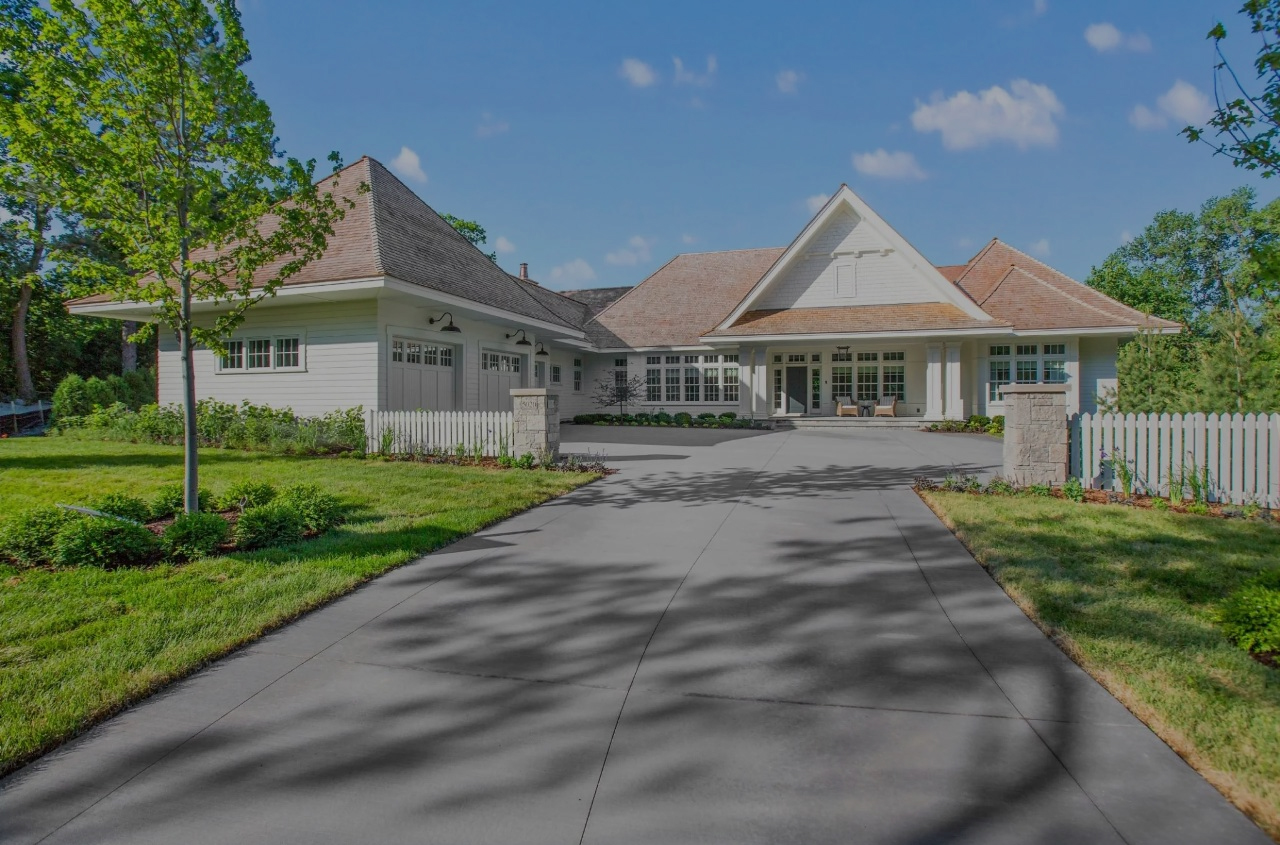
column 499, row 372
column 421, row 376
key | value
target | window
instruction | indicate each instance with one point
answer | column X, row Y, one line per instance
column 1055, row 371
column 816, row 357
column 711, row 384
column 414, row 355
column 620, row 379
column 997, row 351
column 673, row 359
column 1027, row 350
column 999, row 378
column 868, row 356
column 653, row 359
column 692, row 382
column 1055, row 349
column 797, row 358
column 234, row 359
column 691, row 359
column 577, row 380
column 839, row 357
column 895, row 356
column 555, row 374
column 731, row 382
column 711, row 359
column 777, row 386
column 777, row 359
column 673, row 382
column 259, row 354
column 842, row 382
column 620, row 362
column 653, row 385
column 288, row 352
column 868, row 383
column 815, row 384
column 1026, row 372
column 499, row 362
column 894, row 381
column 731, row 359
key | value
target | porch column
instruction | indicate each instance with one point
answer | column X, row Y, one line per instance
column 933, row 403
column 537, row 423
column 954, row 408
column 1035, row 433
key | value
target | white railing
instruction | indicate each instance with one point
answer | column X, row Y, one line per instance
column 1240, row 453
column 404, row 432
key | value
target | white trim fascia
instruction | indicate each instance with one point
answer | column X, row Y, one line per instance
column 949, row 292
column 1097, row 331
column 922, row 338
column 449, row 300
column 107, row 309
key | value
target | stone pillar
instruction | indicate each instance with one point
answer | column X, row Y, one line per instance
column 933, row 403
column 537, row 423
column 954, row 406
column 1035, row 433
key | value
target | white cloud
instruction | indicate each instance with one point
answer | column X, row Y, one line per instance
column 689, row 77
column 636, row 251
column 1024, row 116
column 816, row 202
column 688, row 239
column 504, row 246
column 1125, row 236
column 1039, row 7
column 964, row 243
column 887, row 165
column 1105, row 37
column 490, row 126
column 789, row 81
column 1183, row 102
column 1040, row 248
column 573, row 272
column 408, row 165
column 639, row 74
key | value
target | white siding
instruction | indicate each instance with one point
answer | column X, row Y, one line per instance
column 341, row 353
column 810, row 282
column 1097, row 370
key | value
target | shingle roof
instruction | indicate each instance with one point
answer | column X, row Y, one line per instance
column 683, row 300
column 391, row 231
column 1011, row 285
column 598, row 299
column 855, row 319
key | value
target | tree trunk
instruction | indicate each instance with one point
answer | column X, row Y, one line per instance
column 21, row 362
column 128, row 349
column 190, row 457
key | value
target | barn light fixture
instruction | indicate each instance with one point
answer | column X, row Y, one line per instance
column 523, row 341
column 449, row 328
column 541, row 353
column 842, row 349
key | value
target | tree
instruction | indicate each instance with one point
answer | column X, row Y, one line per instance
column 1154, row 375
column 139, row 114
column 619, row 390
column 472, row 231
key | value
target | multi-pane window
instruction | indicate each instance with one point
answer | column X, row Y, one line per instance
column 731, row 359
column 288, row 352
column 894, row 381
column 815, row 388
column 842, row 382
column 620, row 362
column 731, row 381
column 895, row 356
column 841, row 356
column 1055, row 371
column 1028, row 349
column 777, row 359
column 673, row 382
column 1025, row 371
column 711, row 359
column 500, row 362
column 868, row 356
column 797, row 358
column 653, row 359
column 672, row 359
column 258, row 355
column 692, row 383
column 999, row 378
column 234, row 359
column 414, row 354
column 653, row 384
column 577, row 375
column 711, row 383
column 1000, row 351
column 620, row 379
column 816, row 357
column 868, row 383
column 691, row 359
column 777, row 387
column 1055, row 349
column 555, row 374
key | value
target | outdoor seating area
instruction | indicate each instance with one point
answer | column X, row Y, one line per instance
column 846, row 407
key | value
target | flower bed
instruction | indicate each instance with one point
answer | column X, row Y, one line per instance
column 976, row 424
column 665, row 420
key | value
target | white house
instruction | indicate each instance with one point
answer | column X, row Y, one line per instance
column 403, row 313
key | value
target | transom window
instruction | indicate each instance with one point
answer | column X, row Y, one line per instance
column 672, row 359
column 711, row 359
column 868, row 356
column 653, row 359
column 895, row 356
column 619, row 362
column 841, row 357
column 731, row 359
column 797, row 358
column 691, row 359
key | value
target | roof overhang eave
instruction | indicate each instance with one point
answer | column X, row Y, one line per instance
column 984, row 331
column 484, row 312
column 136, row 309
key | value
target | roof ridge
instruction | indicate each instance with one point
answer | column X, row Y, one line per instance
column 725, row 251
column 373, row 215
column 973, row 262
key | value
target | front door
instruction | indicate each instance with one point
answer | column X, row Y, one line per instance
column 797, row 384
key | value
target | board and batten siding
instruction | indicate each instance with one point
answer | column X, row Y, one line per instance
column 811, row 282
column 340, row 348
column 1097, row 370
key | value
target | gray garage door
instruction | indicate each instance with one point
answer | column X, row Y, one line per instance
column 499, row 372
column 422, row 376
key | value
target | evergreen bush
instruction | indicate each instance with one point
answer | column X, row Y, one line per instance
column 194, row 535
column 103, row 542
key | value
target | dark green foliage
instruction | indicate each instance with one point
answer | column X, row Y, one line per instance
column 1000, row 487
column 472, row 231
column 962, row 484
column 274, row 524
column 1074, row 490
column 168, row 501
column 682, row 418
column 1042, row 490
column 1250, row 617
column 76, row 397
column 246, row 494
column 976, row 424
column 194, row 535
column 526, row 461
column 27, row 538
column 319, row 510
column 706, row 415
column 123, row 505
column 103, row 542
column 728, row 415
column 662, row 417
column 71, row 398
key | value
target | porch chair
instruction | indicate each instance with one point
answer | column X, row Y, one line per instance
column 890, row 410
column 845, row 407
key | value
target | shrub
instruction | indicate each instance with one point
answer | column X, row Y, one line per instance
column 996, row 426
column 1250, row 617
column 274, row 524
column 169, row 500
column 27, row 538
column 1000, row 487
column 123, row 505
column 728, row 415
column 961, row 484
column 1073, row 490
column 662, row 417
column 70, row 399
column 706, row 415
column 644, row 418
column 99, row 393
column 194, row 535
column 583, row 419
column 319, row 510
column 246, row 494
column 103, row 542
column 682, row 418
column 525, row 461
column 1039, row 490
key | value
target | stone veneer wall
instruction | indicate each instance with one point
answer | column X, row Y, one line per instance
column 537, row 422
column 1035, row 433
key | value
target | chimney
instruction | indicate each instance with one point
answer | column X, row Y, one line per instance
column 524, row 270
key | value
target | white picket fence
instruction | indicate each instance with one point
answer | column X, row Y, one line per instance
column 1240, row 451
column 424, row 431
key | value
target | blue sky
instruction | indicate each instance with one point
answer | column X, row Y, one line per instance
column 596, row 140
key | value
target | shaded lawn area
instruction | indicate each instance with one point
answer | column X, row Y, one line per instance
column 77, row 645
column 1131, row 595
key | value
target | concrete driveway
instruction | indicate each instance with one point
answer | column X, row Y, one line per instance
column 739, row 638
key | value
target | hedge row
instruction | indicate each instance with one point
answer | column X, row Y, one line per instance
column 75, row 396
column 976, row 424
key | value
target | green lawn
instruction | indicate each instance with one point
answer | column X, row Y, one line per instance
column 77, row 645
column 1130, row 594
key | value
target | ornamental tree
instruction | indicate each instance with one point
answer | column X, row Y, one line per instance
column 140, row 117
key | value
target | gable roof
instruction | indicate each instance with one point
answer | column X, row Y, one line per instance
column 682, row 300
column 855, row 319
column 1029, row 294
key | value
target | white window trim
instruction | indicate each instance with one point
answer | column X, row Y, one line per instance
column 273, row 338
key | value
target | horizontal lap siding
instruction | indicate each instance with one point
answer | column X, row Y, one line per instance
column 341, row 352
column 1097, row 371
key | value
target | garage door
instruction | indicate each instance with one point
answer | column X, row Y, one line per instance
column 499, row 372
column 421, row 376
